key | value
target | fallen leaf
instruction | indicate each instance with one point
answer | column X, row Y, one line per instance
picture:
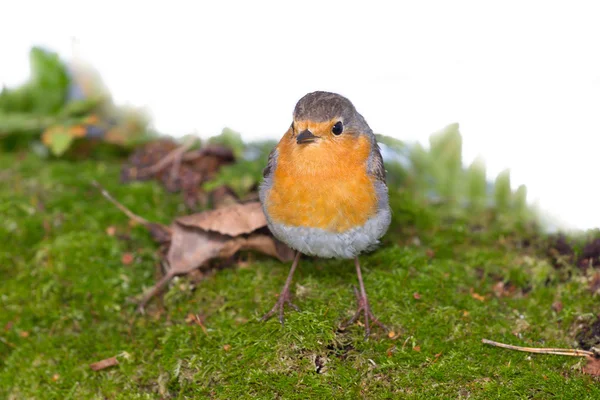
column 234, row 220
column 177, row 167
column 268, row 245
column 191, row 241
column 557, row 306
column 160, row 233
column 55, row 377
column 476, row 296
column 111, row 230
column 24, row 334
column 227, row 347
column 416, row 296
column 592, row 367
column 191, row 248
column 127, row 258
column 198, row 238
column 417, row 348
column 106, row 363
column 223, row 196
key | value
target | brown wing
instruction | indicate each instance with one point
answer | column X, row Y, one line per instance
column 271, row 163
column 375, row 166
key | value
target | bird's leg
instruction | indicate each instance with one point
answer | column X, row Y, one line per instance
column 363, row 305
column 284, row 296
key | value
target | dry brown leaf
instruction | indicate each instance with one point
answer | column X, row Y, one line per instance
column 106, row 363
column 557, row 306
column 190, row 248
column 198, row 238
column 160, row 233
column 177, row 167
column 234, row 220
column 223, row 196
column 195, row 239
column 268, row 245
column 592, row 367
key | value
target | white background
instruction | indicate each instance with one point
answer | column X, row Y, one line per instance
column 521, row 77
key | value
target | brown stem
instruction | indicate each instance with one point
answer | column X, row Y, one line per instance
column 174, row 155
column 124, row 209
column 155, row 289
column 541, row 350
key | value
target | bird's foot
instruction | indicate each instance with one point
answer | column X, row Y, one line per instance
column 364, row 308
column 284, row 298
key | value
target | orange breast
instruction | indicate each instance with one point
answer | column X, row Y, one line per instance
column 322, row 185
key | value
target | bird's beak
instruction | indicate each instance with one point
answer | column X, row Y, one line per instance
column 306, row 136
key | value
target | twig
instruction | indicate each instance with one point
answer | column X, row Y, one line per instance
column 120, row 206
column 540, row 350
column 154, row 290
column 172, row 156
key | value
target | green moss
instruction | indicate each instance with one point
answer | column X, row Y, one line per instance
column 64, row 284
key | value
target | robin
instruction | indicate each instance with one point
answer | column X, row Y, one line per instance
column 324, row 192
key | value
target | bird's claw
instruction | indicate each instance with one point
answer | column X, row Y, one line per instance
column 364, row 308
column 284, row 298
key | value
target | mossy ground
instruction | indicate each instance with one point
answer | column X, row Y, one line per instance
column 64, row 304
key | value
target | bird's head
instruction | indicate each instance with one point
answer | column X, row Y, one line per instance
column 323, row 119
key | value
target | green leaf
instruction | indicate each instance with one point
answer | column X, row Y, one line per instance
column 502, row 191
column 230, row 138
column 60, row 142
column 393, row 143
column 477, row 184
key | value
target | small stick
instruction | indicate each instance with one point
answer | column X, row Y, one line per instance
column 127, row 211
column 540, row 350
column 154, row 290
column 120, row 206
column 174, row 155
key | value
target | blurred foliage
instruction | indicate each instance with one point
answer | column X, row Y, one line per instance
column 434, row 175
column 46, row 91
column 229, row 138
column 246, row 173
column 60, row 104
column 438, row 175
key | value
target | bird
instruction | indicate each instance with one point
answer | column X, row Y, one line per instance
column 324, row 191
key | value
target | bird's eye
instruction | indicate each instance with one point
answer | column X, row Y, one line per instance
column 338, row 128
